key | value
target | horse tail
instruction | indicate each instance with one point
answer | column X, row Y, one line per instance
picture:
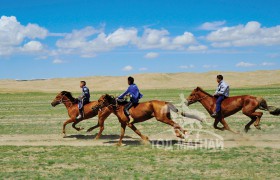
column 271, row 109
column 172, row 107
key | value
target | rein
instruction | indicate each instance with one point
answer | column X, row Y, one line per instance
column 64, row 101
column 199, row 98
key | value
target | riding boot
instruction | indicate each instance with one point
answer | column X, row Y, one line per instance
column 81, row 114
column 214, row 115
column 126, row 112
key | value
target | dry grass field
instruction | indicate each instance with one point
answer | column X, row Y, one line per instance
column 32, row 146
column 146, row 81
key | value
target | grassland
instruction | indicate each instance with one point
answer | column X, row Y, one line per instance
column 38, row 151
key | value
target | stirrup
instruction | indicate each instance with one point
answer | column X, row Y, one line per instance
column 79, row 117
column 214, row 115
column 131, row 121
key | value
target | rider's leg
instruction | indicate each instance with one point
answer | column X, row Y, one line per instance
column 126, row 111
column 81, row 113
column 218, row 106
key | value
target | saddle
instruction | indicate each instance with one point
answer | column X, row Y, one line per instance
column 125, row 102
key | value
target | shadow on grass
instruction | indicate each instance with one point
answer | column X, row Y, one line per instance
column 91, row 137
column 136, row 142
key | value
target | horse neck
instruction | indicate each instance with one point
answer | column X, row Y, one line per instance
column 118, row 111
column 207, row 102
column 68, row 104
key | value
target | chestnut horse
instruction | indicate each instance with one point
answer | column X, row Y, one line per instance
column 141, row 112
column 248, row 104
column 71, row 105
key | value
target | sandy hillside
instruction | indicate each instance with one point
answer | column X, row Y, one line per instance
column 146, row 81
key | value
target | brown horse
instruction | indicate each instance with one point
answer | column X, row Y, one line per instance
column 141, row 112
column 71, row 105
column 248, row 104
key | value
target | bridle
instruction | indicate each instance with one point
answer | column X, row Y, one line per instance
column 199, row 99
column 102, row 104
column 62, row 101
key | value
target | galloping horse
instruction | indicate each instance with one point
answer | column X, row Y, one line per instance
column 231, row 105
column 71, row 105
column 141, row 112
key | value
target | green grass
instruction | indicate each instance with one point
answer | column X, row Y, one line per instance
column 137, row 162
column 32, row 114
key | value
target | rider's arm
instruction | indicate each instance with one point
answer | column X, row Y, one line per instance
column 223, row 89
column 124, row 94
column 85, row 92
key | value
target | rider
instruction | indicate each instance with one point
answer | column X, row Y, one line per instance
column 134, row 94
column 221, row 93
column 83, row 99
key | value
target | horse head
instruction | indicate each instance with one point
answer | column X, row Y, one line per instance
column 63, row 97
column 194, row 96
column 105, row 101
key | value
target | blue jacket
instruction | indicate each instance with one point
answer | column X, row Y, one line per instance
column 85, row 93
column 222, row 89
column 134, row 93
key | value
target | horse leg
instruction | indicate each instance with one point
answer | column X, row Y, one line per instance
column 74, row 125
column 123, row 126
column 255, row 118
column 247, row 127
column 64, row 125
column 145, row 138
column 101, row 128
column 257, row 122
column 101, row 119
column 226, row 126
column 215, row 125
column 93, row 127
column 177, row 128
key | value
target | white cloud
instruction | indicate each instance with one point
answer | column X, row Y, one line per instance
column 153, row 38
column 186, row 66
column 186, row 38
column 151, row 55
column 209, row 26
column 273, row 55
column 208, row 66
column 58, row 61
column 143, row 69
column 244, row 64
column 122, row 37
column 161, row 39
column 89, row 41
column 197, row 48
column 267, row 64
column 251, row 34
column 127, row 68
column 32, row 46
column 13, row 34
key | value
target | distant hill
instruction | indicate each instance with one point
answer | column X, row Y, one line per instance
column 146, row 81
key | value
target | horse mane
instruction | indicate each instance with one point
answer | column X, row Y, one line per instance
column 200, row 89
column 69, row 96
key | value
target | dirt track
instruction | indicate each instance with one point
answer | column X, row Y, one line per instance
column 230, row 140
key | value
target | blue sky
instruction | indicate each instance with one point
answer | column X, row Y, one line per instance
column 73, row 38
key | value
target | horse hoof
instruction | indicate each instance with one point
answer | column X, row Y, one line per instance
column 145, row 142
column 258, row 127
column 119, row 144
column 246, row 130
